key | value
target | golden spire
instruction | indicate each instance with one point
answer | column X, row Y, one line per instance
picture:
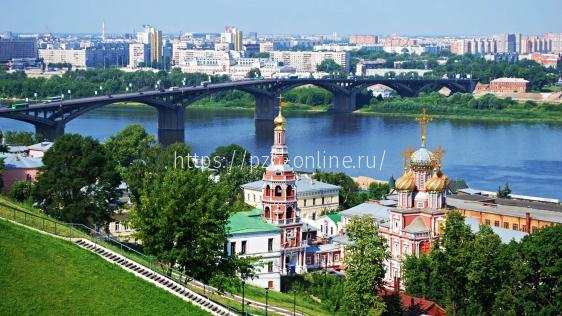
column 424, row 119
column 407, row 154
column 438, row 154
column 280, row 120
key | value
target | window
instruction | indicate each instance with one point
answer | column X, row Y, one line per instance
column 270, row 266
column 270, row 284
column 506, row 225
column 314, row 201
column 497, row 223
column 270, row 244
column 524, row 228
column 331, row 230
column 126, row 226
column 535, row 229
column 313, row 216
column 289, row 190
column 396, row 248
column 323, row 201
column 233, row 248
column 308, row 260
column 117, row 226
column 420, row 204
column 304, row 202
column 243, row 250
column 487, row 222
column 336, row 257
column 278, row 190
column 515, row 226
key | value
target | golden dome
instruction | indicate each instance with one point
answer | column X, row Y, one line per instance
column 406, row 182
column 280, row 121
column 437, row 183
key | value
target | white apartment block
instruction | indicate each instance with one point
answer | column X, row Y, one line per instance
column 138, row 53
column 307, row 61
column 78, row 58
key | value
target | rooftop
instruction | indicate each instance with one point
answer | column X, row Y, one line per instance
column 303, row 186
column 42, row 146
column 22, row 162
column 504, row 79
column 377, row 211
column 506, row 235
column 551, row 212
column 335, row 217
column 249, row 222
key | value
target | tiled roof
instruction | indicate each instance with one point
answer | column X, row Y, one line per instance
column 323, row 248
column 249, row 222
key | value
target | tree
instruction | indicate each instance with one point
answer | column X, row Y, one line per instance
column 254, row 73
column 378, row 191
column 484, row 272
column 393, row 304
column 227, row 156
column 349, row 196
column 129, row 144
column 181, row 220
column 364, row 267
column 78, row 182
column 504, row 191
column 330, row 66
column 22, row 138
column 20, row 190
column 233, row 178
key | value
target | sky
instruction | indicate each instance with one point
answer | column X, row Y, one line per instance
column 346, row 17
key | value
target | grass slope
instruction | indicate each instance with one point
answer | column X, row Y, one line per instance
column 41, row 275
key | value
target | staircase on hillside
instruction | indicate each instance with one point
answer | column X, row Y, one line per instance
column 155, row 278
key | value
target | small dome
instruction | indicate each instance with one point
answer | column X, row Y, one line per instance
column 422, row 156
column 280, row 121
column 437, row 183
column 406, row 182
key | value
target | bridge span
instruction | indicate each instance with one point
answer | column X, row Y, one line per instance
column 50, row 119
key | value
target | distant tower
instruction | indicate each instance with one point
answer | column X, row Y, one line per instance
column 103, row 30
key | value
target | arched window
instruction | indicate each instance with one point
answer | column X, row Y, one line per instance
column 278, row 190
column 289, row 190
column 266, row 212
column 267, row 190
column 289, row 213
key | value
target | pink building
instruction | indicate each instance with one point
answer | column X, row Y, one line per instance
column 19, row 167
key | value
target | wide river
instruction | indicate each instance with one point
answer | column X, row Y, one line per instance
column 486, row 155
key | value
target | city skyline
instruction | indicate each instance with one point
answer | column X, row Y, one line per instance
column 361, row 17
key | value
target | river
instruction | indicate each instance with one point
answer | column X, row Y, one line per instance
column 485, row 154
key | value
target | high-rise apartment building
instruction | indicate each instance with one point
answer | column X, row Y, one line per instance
column 138, row 53
column 363, row 39
column 156, row 45
column 238, row 40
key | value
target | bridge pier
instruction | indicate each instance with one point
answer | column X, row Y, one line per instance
column 171, row 126
column 50, row 132
column 266, row 107
column 345, row 103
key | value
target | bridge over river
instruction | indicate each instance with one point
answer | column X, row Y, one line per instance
column 50, row 119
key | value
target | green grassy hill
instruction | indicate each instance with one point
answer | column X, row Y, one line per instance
column 42, row 275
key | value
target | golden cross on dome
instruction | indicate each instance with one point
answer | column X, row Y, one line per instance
column 407, row 154
column 424, row 119
column 438, row 154
column 281, row 101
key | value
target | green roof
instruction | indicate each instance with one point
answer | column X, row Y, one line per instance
column 335, row 217
column 249, row 222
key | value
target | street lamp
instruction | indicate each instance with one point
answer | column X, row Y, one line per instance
column 266, row 299
column 130, row 86
column 69, row 94
column 243, row 286
column 35, row 96
column 96, row 92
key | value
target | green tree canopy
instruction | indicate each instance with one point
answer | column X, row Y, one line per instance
column 349, row 195
column 129, row 144
column 78, row 182
column 182, row 221
column 225, row 157
column 364, row 267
